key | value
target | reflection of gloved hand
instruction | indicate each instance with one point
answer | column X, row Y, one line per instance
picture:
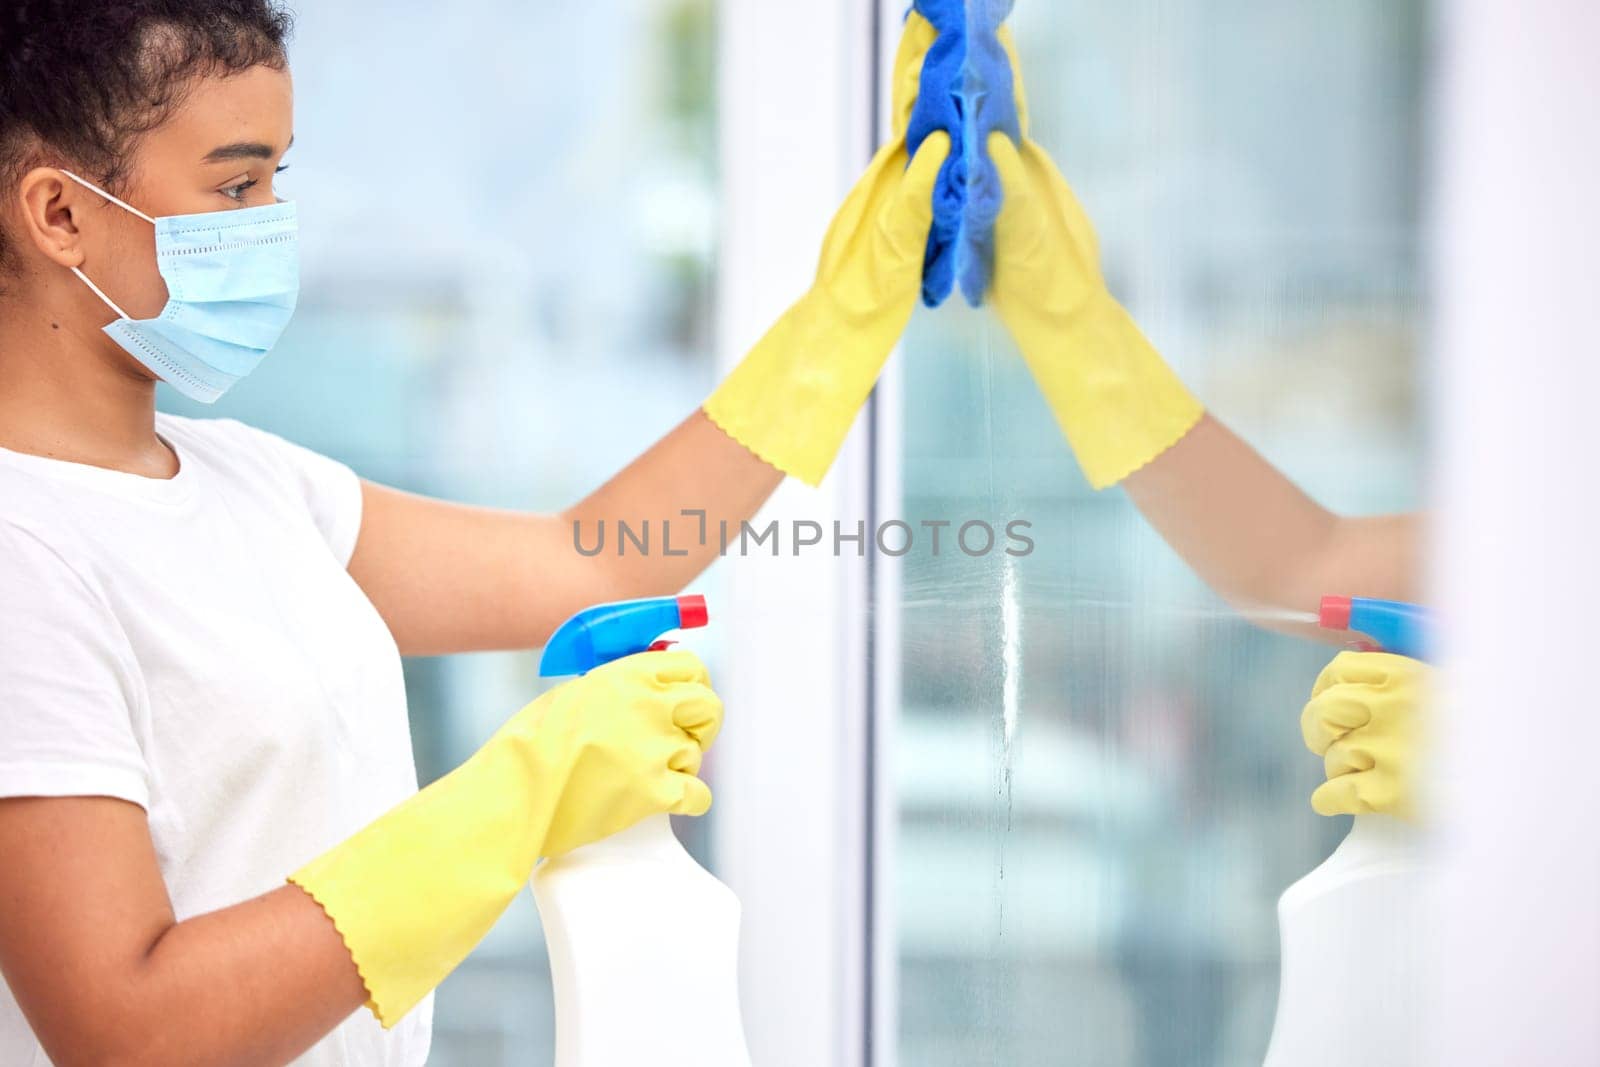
column 1118, row 403
column 794, row 397
column 1363, row 720
column 416, row 890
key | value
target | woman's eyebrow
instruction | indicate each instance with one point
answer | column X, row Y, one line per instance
column 244, row 150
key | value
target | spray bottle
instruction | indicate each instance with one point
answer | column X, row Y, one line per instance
column 1350, row 986
column 643, row 941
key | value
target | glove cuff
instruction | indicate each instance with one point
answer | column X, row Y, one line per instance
column 793, row 399
column 416, row 890
column 1115, row 398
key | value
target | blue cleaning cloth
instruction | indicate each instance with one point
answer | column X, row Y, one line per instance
column 966, row 90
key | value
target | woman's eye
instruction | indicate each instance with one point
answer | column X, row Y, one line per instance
column 238, row 192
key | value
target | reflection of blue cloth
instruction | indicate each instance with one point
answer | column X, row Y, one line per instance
column 966, row 90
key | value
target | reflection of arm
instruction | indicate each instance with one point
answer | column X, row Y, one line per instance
column 1248, row 531
column 105, row 974
column 1259, row 541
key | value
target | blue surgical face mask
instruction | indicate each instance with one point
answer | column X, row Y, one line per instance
column 232, row 281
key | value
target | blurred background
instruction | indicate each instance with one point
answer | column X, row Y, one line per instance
column 511, row 217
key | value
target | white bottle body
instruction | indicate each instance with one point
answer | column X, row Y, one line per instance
column 644, row 951
column 1351, row 985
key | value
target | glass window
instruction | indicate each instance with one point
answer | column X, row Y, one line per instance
column 1101, row 789
column 506, row 208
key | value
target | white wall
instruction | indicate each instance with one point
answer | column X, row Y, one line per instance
column 1517, row 380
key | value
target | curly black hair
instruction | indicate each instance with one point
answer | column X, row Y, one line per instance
column 82, row 80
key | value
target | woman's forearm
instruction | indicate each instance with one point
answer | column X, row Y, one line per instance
column 257, row 983
column 693, row 482
column 105, row 975
column 451, row 578
column 254, row 984
column 1258, row 540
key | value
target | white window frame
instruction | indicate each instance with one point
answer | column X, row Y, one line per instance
column 792, row 774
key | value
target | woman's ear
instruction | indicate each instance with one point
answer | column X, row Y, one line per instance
column 52, row 205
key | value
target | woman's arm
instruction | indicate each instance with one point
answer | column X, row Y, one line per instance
column 105, row 974
column 455, row 579
column 449, row 578
column 1260, row 542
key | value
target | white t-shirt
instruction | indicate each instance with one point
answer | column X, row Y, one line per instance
column 195, row 646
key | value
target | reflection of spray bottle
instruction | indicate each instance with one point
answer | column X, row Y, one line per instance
column 1350, row 989
column 643, row 941
column 1388, row 625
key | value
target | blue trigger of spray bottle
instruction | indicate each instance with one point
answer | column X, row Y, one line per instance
column 609, row 632
column 1394, row 626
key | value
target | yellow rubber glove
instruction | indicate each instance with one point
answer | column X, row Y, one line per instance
column 1364, row 721
column 415, row 891
column 1116, row 400
column 794, row 397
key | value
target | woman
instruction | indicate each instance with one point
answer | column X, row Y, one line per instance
column 201, row 625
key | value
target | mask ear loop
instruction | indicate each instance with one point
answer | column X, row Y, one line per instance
column 92, row 187
column 110, row 303
column 84, row 278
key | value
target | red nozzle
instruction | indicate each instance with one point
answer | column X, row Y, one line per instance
column 692, row 612
column 1335, row 613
